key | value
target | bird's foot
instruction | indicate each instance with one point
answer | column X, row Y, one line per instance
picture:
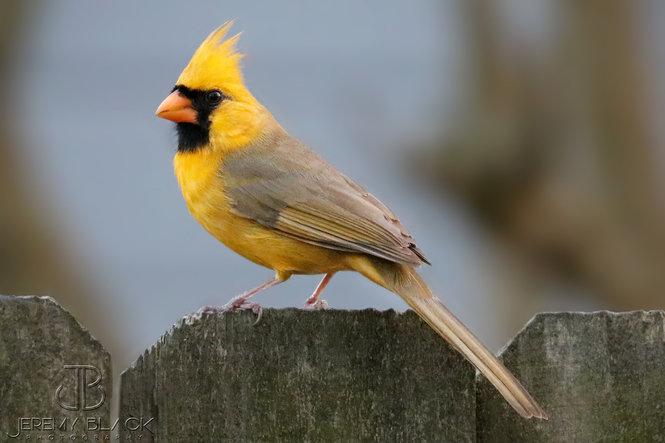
column 240, row 303
column 236, row 304
column 316, row 305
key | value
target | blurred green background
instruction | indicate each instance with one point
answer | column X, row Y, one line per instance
column 522, row 142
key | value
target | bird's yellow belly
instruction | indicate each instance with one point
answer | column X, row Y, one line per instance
column 203, row 191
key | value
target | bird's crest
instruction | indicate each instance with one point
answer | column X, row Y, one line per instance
column 215, row 64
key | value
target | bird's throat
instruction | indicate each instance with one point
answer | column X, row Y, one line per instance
column 192, row 137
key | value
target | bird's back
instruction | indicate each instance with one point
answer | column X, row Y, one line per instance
column 281, row 184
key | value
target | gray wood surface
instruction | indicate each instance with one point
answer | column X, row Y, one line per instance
column 331, row 375
column 600, row 376
column 297, row 375
column 38, row 339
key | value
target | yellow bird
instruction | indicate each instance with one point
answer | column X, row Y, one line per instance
column 268, row 197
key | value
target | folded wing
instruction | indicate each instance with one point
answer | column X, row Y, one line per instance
column 282, row 184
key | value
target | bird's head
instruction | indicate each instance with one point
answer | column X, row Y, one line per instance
column 209, row 102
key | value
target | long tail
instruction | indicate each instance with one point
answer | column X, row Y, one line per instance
column 405, row 282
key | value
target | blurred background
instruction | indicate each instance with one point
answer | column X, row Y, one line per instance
column 522, row 142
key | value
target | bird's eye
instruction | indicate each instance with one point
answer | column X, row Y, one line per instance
column 214, row 97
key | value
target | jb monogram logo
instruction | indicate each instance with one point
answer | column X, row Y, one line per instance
column 80, row 392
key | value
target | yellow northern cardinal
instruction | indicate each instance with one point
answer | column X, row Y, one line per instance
column 268, row 197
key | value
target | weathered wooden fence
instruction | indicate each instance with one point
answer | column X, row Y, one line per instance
column 47, row 362
column 330, row 376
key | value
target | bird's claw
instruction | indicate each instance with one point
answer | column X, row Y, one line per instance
column 317, row 305
column 240, row 303
column 234, row 305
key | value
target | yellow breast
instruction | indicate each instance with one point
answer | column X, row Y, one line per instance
column 203, row 191
column 196, row 173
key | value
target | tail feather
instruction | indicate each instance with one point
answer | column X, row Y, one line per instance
column 405, row 281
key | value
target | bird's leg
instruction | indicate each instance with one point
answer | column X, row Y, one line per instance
column 241, row 302
column 314, row 302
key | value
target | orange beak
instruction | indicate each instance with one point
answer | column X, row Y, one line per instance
column 177, row 108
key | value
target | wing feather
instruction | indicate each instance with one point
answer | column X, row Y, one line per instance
column 283, row 185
